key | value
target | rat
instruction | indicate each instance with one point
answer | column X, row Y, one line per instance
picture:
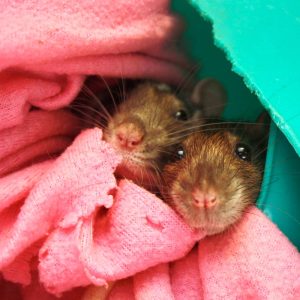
column 216, row 173
column 152, row 119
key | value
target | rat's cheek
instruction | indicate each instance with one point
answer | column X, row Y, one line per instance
column 181, row 175
column 107, row 133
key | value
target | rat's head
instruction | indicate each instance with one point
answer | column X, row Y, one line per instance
column 215, row 177
column 144, row 128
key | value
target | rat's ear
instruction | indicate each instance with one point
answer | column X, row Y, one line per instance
column 209, row 97
column 261, row 127
column 263, row 118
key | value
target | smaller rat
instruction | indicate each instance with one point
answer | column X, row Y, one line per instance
column 151, row 119
column 216, row 174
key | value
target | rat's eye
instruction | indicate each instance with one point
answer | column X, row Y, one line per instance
column 243, row 151
column 176, row 154
column 181, row 115
column 180, row 152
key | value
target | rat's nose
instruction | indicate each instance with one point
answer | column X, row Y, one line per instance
column 129, row 135
column 207, row 199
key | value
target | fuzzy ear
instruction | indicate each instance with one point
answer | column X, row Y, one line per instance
column 209, row 97
column 261, row 128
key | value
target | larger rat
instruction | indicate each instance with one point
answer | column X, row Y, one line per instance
column 216, row 174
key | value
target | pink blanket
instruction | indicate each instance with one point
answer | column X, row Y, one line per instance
column 251, row 261
column 65, row 221
column 48, row 47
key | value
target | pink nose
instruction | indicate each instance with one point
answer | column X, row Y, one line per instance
column 204, row 199
column 129, row 135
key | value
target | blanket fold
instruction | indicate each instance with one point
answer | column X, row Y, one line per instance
column 66, row 222
column 49, row 49
column 252, row 260
column 59, row 197
column 112, row 246
column 153, row 283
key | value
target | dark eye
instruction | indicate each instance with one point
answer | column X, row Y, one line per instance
column 177, row 154
column 180, row 152
column 181, row 115
column 243, row 151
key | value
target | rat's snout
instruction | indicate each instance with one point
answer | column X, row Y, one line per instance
column 129, row 135
column 204, row 199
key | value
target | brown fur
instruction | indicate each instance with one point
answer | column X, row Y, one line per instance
column 210, row 162
column 141, row 121
column 153, row 111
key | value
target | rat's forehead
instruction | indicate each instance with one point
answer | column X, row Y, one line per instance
column 170, row 100
column 208, row 141
column 231, row 137
column 152, row 91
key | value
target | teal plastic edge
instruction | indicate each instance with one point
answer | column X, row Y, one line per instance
column 275, row 115
column 209, row 61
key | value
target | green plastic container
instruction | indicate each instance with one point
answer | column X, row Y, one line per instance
column 253, row 48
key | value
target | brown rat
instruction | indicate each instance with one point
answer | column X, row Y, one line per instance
column 217, row 174
column 151, row 120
